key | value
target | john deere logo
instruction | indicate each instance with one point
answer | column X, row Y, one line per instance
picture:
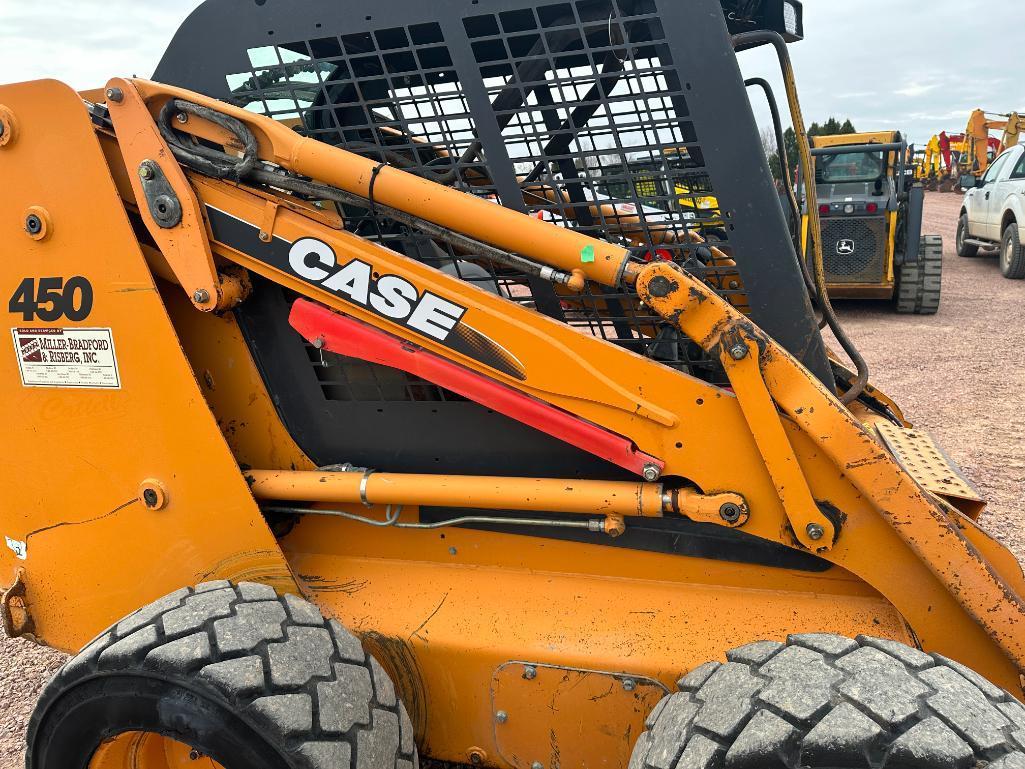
column 845, row 247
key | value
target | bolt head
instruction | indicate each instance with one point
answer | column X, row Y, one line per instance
column 660, row 286
column 738, row 351
column 530, row 672
column 182, row 117
column 145, row 171
column 730, row 512
column 501, row 716
column 629, row 684
column 201, row 296
column 815, row 531
column 114, row 94
column 651, row 473
column 537, row 765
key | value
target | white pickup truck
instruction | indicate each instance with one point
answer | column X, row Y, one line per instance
column 993, row 212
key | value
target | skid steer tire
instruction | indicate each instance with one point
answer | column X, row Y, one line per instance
column 826, row 701
column 248, row 678
column 1012, row 253
column 964, row 249
column 919, row 285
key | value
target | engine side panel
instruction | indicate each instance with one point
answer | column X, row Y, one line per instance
column 99, row 403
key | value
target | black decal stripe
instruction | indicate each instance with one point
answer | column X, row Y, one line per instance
column 474, row 344
column 245, row 238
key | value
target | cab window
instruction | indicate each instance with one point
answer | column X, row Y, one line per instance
column 849, row 167
column 1019, row 170
column 994, row 170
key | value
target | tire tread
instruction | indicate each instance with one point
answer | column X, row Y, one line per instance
column 827, row 701
column 273, row 659
column 1013, row 268
column 919, row 285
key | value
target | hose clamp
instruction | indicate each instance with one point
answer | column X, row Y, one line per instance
column 363, row 487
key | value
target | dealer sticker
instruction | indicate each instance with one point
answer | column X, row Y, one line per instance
column 66, row 357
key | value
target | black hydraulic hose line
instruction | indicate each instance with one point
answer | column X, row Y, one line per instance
column 317, row 191
column 781, row 149
column 220, row 164
column 814, row 224
column 786, row 180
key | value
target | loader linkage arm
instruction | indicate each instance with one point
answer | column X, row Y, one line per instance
column 802, row 470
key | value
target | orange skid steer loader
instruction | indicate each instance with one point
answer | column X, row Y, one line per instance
column 398, row 471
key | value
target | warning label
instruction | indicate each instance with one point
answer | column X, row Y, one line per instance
column 66, row 357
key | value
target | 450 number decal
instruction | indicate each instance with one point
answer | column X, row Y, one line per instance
column 51, row 299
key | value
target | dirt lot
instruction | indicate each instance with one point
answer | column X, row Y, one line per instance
column 959, row 374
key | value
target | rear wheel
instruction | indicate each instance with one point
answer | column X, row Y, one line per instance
column 1012, row 254
column 829, row 702
column 964, row 249
column 222, row 677
column 918, row 285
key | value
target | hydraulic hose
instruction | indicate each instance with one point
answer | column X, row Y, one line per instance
column 814, row 224
column 788, row 184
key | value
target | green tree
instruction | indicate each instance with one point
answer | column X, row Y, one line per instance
column 831, row 127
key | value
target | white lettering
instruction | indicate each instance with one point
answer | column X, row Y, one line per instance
column 435, row 316
column 300, row 253
column 396, row 297
column 393, row 296
column 353, row 280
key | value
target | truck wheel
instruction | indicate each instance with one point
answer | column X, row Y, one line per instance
column 918, row 285
column 1012, row 254
column 234, row 675
column 964, row 249
column 823, row 700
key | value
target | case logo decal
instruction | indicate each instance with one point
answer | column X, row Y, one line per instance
column 389, row 295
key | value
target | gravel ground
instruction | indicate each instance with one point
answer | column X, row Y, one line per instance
column 959, row 374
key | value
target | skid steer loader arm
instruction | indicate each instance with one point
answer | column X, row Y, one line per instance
column 804, row 471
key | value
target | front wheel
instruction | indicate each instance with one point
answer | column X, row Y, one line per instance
column 963, row 248
column 1012, row 254
column 222, row 677
column 827, row 702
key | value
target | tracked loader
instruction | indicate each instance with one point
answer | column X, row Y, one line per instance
column 323, row 450
column 870, row 210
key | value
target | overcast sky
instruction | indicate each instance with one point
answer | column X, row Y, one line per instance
column 916, row 66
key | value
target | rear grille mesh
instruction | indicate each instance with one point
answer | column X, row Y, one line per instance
column 854, row 249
